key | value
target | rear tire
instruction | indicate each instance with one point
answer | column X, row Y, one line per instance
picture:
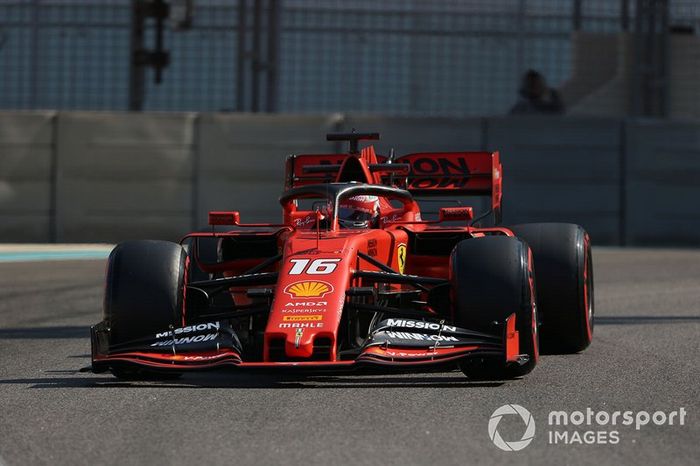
column 492, row 278
column 145, row 294
column 564, row 268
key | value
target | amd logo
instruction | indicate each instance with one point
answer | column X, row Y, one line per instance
column 307, row 303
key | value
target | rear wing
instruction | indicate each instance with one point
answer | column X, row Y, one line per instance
column 422, row 174
column 438, row 173
column 449, row 173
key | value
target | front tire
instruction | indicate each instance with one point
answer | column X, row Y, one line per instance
column 493, row 277
column 144, row 294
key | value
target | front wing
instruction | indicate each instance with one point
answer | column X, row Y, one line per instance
column 394, row 343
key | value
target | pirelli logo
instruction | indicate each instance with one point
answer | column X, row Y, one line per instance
column 306, row 318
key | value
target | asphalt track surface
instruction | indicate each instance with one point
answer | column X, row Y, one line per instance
column 644, row 357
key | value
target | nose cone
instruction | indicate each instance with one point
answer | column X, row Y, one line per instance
column 302, row 346
column 305, row 310
column 309, row 297
column 308, row 304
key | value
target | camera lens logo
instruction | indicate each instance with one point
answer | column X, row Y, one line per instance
column 527, row 418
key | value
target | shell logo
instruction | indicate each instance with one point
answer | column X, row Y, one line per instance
column 308, row 289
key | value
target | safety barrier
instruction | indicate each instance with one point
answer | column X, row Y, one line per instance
column 89, row 176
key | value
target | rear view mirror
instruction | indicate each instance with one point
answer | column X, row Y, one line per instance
column 448, row 214
column 224, row 218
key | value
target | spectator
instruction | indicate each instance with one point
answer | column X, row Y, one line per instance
column 536, row 97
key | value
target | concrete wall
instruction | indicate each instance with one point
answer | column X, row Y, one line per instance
column 563, row 170
column 124, row 175
column 663, row 183
column 85, row 176
column 26, row 176
column 241, row 160
column 406, row 135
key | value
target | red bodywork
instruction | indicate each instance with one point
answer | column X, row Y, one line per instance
column 320, row 264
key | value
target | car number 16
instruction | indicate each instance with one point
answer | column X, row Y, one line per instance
column 316, row 267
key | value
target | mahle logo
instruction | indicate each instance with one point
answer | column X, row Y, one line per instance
column 527, row 436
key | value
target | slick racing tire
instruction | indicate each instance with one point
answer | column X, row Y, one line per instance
column 564, row 268
column 144, row 294
column 492, row 277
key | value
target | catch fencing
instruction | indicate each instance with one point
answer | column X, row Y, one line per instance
column 393, row 57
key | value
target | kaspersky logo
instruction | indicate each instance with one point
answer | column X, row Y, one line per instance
column 308, row 289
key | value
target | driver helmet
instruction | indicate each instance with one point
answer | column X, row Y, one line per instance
column 359, row 212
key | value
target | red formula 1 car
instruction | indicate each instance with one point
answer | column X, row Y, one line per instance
column 355, row 276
